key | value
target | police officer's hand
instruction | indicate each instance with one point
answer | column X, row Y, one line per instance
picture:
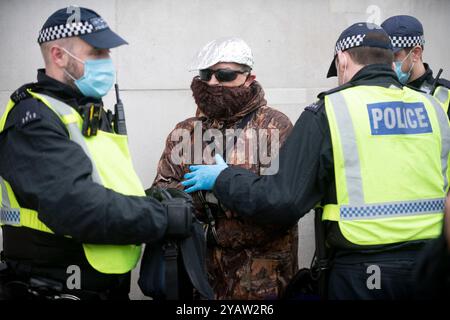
column 158, row 193
column 179, row 209
column 203, row 177
column 161, row 194
column 177, row 193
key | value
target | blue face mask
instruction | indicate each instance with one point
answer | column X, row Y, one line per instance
column 403, row 77
column 98, row 77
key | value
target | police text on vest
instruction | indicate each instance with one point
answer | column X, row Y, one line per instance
column 397, row 117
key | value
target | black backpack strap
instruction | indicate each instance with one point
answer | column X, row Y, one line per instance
column 240, row 126
column 171, row 270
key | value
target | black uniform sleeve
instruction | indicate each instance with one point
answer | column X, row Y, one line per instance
column 305, row 168
column 51, row 174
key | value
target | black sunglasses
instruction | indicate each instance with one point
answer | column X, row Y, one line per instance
column 222, row 75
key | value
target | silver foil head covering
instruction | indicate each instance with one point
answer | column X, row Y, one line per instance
column 223, row 50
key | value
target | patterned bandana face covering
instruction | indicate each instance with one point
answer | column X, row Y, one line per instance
column 227, row 104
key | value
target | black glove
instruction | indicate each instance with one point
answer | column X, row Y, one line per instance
column 179, row 208
column 179, row 218
column 158, row 193
column 167, row 193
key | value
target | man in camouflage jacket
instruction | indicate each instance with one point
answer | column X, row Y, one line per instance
column 245, row 260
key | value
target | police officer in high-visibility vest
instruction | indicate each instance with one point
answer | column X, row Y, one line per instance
column 73, row 210
column 373, row 153
column 408, row 42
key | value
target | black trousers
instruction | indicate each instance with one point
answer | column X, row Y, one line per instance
column 385, row 276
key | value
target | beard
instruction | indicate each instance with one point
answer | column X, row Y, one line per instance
column 73, row 69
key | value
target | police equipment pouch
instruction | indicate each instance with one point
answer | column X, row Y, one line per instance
column 179, row 216
column 91, row 114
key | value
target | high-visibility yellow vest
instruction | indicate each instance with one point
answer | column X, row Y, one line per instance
column 443, row 95
column 112, row 168
column 391, row 161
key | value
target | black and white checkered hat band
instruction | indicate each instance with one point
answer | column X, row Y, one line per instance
column 407, row 42
column 349, row 42
column 65, row 31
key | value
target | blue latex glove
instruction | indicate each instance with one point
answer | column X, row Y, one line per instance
column 203, row 177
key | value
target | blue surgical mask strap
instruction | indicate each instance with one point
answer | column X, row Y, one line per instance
column 73, row 56
column 76, row 58
column 412, row 66
column 403, row 77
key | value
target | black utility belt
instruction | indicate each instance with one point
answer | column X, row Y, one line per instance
column 364, row 256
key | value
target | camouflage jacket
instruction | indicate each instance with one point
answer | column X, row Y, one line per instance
column 248, row 261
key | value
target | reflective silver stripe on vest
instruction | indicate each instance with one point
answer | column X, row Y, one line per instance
column 445, row 136
column 8, row 215
column 5, row 198
column 393, row 209
column 442, row 95
column 349, row 148
column 75, row 133
column 357, row 209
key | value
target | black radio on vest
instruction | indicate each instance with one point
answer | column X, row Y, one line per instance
column 119, row 114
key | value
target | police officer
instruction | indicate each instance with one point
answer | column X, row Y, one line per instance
column 373, row 153
column 408, row 42
column 73, row 211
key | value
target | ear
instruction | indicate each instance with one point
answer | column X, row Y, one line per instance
column 58, row 56
column 417, row 53
column 341, row 62
column 251, row 78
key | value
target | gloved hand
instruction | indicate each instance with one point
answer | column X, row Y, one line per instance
column 162, row 194
column 180, row 216
column 203, row 177
column 158, row 193
column 179, row 208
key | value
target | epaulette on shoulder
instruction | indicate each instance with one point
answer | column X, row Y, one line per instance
column 315, row 107
column 444, row 83
column 416, row 89
column 21, row 93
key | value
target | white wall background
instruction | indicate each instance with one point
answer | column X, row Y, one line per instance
column 292, row 42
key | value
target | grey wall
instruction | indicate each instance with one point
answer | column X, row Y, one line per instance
column 292, row 42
